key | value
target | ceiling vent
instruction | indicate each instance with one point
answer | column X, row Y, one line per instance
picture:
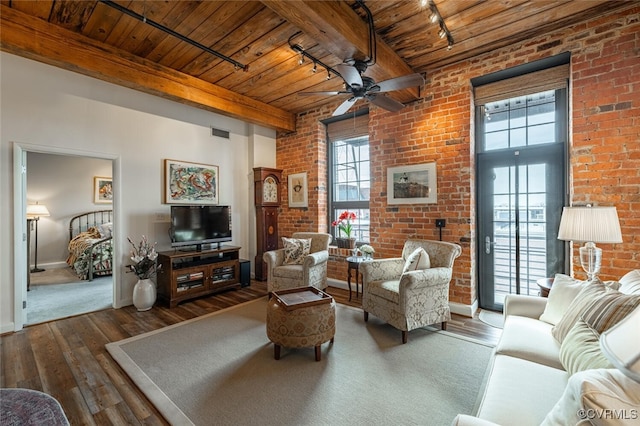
column 219, row 133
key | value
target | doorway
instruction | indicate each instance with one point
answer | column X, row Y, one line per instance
column 79, row 167
column 521, row 192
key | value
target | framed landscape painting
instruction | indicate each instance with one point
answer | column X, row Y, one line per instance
column 102, row 190
column 416, row 184
column 190, row 183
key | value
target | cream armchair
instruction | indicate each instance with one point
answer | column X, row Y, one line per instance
column 411, row 299
column 311, row 272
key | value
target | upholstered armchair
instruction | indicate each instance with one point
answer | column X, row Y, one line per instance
column 309, row 269
column 411, row 291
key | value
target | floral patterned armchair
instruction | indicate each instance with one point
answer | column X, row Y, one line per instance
column 412, row 299
column 310, row 271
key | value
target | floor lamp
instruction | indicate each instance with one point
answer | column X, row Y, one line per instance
column 35, row 212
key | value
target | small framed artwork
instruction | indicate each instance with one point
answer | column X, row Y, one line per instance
column 417, row 184
column 298, row 190
column 190, row 183
column 102, row 190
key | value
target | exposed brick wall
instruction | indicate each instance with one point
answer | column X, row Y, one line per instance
column 604, row 147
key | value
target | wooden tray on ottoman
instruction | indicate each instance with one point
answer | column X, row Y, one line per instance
column 300, row 297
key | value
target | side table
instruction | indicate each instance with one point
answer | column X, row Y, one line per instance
column 353, row 265
column 545, row 285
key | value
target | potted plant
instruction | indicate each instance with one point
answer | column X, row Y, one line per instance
column 144, row 265
column 344, row 225
column 367, row 251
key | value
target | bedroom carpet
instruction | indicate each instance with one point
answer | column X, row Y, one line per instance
column 219, row 369
column 54, row 301
column 53, row 276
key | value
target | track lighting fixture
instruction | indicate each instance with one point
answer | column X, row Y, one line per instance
column 435, row 17
column 303, row 54
column 328, row 75
column 301, row 60
column 315, row 67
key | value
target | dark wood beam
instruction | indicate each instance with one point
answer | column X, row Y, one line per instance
column 342, row 32
column 36, row 39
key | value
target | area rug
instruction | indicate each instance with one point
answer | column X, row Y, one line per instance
column 54, row 301
column 494, row 319
column 219, row 369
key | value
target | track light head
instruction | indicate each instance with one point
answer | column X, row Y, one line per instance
column 442, row 33
column 301, row 60
column 315, row 68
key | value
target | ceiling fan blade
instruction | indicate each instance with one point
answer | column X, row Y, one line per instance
column 398, row 83
column 321, row 93
column 386, row 103
column 350, row 75
column 344, row 107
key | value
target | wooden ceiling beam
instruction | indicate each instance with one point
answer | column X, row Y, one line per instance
column 36, row 39
column 342, row 32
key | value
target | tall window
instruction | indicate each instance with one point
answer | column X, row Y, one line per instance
column 349, row 173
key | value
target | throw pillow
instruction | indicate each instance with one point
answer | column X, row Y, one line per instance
column 580, row 349
column 417, row 260
column 562, row 293
column 630, row 283
column 590, row 291
column 596, row 391
column 105, row 229
column 608, row 310
column 295, row 250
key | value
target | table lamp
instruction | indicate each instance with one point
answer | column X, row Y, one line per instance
column 35, row 212
column 620, row 346
column 590, row 225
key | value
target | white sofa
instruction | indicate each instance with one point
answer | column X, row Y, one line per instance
column 528, row 383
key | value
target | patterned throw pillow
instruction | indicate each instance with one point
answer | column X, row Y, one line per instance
column 295, row 250
column 417, row 260
column 609, row 309
column 590, row 292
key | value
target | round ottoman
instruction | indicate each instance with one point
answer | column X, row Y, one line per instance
column 300, row 325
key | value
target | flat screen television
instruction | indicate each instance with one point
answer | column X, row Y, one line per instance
column 198, row 225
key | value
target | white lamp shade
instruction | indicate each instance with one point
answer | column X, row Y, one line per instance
column 621, row 345
column 37, row 210
column 590, row 224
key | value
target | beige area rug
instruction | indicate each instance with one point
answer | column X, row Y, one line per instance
column 219, row 369
column 54, row 276
column 494, row 319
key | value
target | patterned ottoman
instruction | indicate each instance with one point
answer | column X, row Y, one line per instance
column 300, row 317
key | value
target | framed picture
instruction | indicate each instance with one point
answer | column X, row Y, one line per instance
column 298, row 190
column 190, row 183
column 102, row 190
column 416, row 184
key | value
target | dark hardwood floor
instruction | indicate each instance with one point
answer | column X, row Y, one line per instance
column 67, row 358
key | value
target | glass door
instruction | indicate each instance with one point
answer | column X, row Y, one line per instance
column 521, row 187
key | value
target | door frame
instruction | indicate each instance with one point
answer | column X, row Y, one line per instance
column 20, row 256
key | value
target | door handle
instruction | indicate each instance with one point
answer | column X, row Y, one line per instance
column 487, row 244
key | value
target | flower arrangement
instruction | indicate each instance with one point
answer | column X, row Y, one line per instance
column 344, row 223
column 367, row 250
column 144, row 257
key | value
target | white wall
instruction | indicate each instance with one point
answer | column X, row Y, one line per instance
column 64, row 184
column 55, row 110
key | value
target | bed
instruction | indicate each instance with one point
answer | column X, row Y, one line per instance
column 90, row 244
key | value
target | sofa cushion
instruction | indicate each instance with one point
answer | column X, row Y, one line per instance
column 591, row 291
column 630, row 282
column 295, row 250
column 417, row 260
column 520, row 391
column 562, row 293
column 580, row 349
column 604, row 396
column 529, row 339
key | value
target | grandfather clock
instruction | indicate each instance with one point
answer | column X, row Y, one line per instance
column 267, row 199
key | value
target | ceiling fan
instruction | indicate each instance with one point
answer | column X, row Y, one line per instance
column 356, row 85
column 359, row 86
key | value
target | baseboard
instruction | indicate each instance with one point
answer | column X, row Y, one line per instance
column 52, row 265
column 464, row 310
column 456, row 308
column 7, row 328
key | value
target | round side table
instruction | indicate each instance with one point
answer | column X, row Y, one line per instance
column 353, row 264
column 545, row 285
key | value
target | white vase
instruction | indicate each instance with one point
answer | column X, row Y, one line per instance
column 144, row 294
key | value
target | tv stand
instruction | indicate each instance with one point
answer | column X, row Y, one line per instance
column 185, row 275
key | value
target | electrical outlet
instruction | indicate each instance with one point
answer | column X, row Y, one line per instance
column 162, row 217
column 441, row 223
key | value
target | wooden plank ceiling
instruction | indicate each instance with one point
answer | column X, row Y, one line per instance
column 97, row 39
